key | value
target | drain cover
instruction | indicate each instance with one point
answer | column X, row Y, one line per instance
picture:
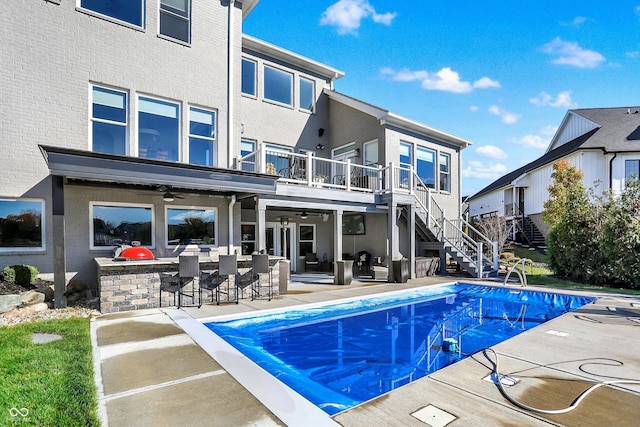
column 435, row 417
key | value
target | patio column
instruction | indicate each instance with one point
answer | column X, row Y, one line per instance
column 59, row 256
column 393, row 238
column 261, row 228
column 412, row 240
column 337, row 234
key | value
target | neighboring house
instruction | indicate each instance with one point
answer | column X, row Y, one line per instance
column 603, row 143
column 161, row 122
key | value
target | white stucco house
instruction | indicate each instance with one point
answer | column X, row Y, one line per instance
column 603, row 143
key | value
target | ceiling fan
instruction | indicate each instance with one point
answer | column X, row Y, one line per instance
column 167, row 195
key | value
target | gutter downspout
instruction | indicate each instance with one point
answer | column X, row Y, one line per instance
column 232, row 202
column 611, row 170
column 230, row 84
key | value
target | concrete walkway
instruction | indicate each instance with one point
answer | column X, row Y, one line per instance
column 150, row 372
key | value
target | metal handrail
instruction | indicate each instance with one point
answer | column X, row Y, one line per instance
column 521, row 274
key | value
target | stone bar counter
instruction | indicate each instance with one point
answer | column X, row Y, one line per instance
column 135, row 285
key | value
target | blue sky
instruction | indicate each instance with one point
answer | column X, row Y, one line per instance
column 500, row 74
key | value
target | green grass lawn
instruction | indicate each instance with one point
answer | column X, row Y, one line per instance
column 47, row 384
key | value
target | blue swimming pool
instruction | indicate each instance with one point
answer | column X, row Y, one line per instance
column 338, row 356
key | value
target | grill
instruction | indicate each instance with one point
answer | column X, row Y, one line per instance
column 134, row 253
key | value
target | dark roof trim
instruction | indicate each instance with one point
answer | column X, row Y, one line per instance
column 87, row 165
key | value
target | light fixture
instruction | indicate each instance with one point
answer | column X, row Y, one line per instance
column 320, row 132
column 319, row 147
column 168, row 197
column 356, row 152
column 303, row 215
column 284, row 221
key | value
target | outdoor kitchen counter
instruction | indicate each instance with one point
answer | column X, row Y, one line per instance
column 134, row 285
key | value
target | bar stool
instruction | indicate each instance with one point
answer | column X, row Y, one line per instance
column 228, row 266
column 260, row 265
column 189, row 269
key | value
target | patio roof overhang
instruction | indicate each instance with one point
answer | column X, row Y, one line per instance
column 98, row 167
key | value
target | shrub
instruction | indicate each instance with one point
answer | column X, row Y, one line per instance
column 20, row 274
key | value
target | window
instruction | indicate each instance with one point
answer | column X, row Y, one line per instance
column 158, row 129
column 248, row 163
column 248, row 239
column 116, row 224
column 370, row 153
column 307, row 241
column 632, row 169
column 130, row 11
column 108, row 121
column 278, row 85
column 21, row 224
column 187, row 226
column 445, row 176
column 307, row 94
column 248, row 77
column 174, row 19
column 406, row 163
column 425, row 166
column 202, row 137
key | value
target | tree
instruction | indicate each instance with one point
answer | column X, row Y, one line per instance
column 566, row 192
column 495, row 229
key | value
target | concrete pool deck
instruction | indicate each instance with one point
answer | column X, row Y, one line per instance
column 149, row 372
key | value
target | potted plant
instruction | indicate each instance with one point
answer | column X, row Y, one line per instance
column 319, row 178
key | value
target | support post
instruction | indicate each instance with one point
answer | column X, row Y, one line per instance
column 59, row 256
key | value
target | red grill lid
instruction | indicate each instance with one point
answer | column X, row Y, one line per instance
column 135, row 253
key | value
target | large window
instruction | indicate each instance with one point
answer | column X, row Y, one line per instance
column 370, row 153
column 307, row 240
column 21, row 225
column 307, row 94
column 131, row 11
column 108, row 120
column 632, row 169
column 278, row 85
column 174, row 19
column 249, row 163
column 445, row 172
column 117, row 223
column 425, row 166
column 248, row 77
column 406, row 163
column 248, row 239
column 158, row 129
column 202, row 137
column 187, row 226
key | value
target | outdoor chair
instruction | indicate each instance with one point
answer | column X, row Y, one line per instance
column 363, row 263
column 188, row 271
column 311, row 261
column 210, row 281
column 245, row 280
column 260, row 266
column 169, row 282
column 227, row 267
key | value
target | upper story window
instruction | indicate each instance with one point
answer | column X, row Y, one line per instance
column 445, row 172
column 117, row 223
column 21, row 225
column 130, row 11
column 632, row 169
column 108, row 120
column 425, row 166
column 248, row 163
column 175, row 19
column 186, row 226
column 278, row 85
column 405, row 155
column 370, row 153
column 307, row 94
column 248, row 77
column 202, row 137
column 158, row 129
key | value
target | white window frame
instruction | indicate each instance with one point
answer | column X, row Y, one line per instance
column 179, row 120
column 43, row 228
column 195, row 208
column 264, row 86
column 447, row 173
column 116, row 20
column 368, row 147
column 212, row 139
column 109, row 122
column 168, row 12
column 92, row 205
column 313, row 241
column 313, row 95
column 255, row 233
column 255, row 78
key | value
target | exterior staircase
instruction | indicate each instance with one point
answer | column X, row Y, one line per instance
column 473, row 252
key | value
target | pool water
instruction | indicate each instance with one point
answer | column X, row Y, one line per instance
column 340, row 355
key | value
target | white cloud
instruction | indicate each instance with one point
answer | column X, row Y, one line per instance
column 563, row 100
column 570, row 53
column 445, row 80
column 485, row 83
column 634, row 54
column 347, row 15
column 474, row 108
column 480, row 170
column 549, row 130
column 491, row 151
column 507, row 117
column 576, row 22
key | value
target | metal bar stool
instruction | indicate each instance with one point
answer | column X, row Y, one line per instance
column 228, row 266
column 260, row 264
column 189, row 270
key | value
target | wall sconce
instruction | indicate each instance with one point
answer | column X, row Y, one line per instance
column 319, row 147
column 320, row 132
column 284, row 221
column 356, row 152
